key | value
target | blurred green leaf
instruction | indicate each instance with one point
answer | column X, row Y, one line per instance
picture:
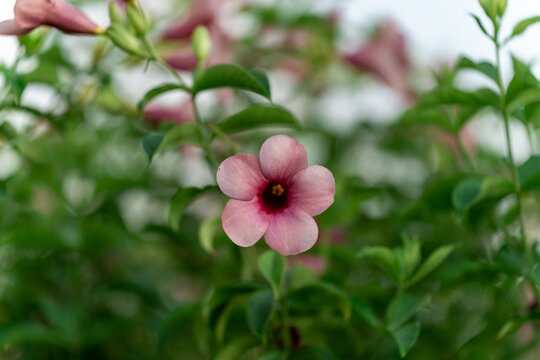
column 184, row 134
column 523, row 80
column 473, row 190
column 150, row 143
column 411, row 254
column 529, row 173
column 432, row 262
column 207, row 231
column 236, row 348
column 155, row 92
column 484, row 67
column 524, row 98
column 365, row 312
column 257, row 116
column 523, row 25
column 385, row 259
column 480, row 25
column 259, row 310
column 406, row 337
column 180, row 201
column 272, row 266
column 229, row 75
column 274, row 355
column 401, row 309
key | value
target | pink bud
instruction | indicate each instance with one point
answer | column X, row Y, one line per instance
column 29, row 14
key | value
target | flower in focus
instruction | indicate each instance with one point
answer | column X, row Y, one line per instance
column 385, row 56
column 276, row 195
column 29, row 14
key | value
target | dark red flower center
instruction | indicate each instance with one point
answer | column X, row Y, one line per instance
column 274, row 196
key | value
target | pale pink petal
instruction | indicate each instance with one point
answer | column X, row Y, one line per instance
column 240, row 177
column 57, row 13
column 313, row 189
column 291, row 232
column 183, row 59
column 202, row 13
column 244, row 221
column 281, row 157
column 9, row 27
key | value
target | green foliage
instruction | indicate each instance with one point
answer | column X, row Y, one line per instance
column 257, row 116
column 272, row 267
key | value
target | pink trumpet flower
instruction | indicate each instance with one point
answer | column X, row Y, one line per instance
column 385, row 56
column 29, row 14
column 276, row 195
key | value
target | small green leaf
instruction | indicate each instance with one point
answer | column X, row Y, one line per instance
column 411, row 254
column 181, row 135
column 474, row 190
column 366, row 313
column 385, row 259
column 401, row 309
column 523, row 80
column 524, row 25
column 510, row 327
column 236, row 348
column 259, row 115
column 406, row 337
column 259, row 310
column 150, row 143
column 529, row 173
column 229, row 75
column 272, row 266
column 207, row 232
column 155, row 92
column 480, row 25
column 433, row 261
column 484, row 67
column 180, row 201
column 524, row 98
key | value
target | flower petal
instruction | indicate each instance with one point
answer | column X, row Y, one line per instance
column 240, row 176
column 10, row 27
column 313, row 190
column 291, row 232
column 244, row 221
column 281, row 157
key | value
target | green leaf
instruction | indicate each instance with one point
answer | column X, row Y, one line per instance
column 385, row 259
column 259, row 310
column 524, row 25
column 150, row 143
column 321, row 292
column 274, row 355
column 207, row 232
column 189, row 133
column 259, row 115
column 272, row 266
column 529, row 173
column 180, row 201
column 523, row 80
column 411, row 254
column 236, row 348
column 524, row 98
column 433, row 261
column 151, row 94
column 365, row 312
column 229, row 75
column 401, row 309
column 484, row 67
column 480, row 25
column 8, row 131
column 474, row 190
column 406, row 337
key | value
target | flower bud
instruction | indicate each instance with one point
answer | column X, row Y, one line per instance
column 137, row 19
column 201, row 43
column 115, row 14
column 126, row 41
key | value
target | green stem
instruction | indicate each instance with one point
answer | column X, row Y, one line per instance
column 154, row 56
column 223, row 136
column 513, row 167
column 204, row 136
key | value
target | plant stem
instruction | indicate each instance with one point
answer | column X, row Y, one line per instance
column 513, row 167
column 204, row 135
column 154, row 56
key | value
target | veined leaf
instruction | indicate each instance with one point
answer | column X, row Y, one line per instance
column 229, row 75
column 259, row 115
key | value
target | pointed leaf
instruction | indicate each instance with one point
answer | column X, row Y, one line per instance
column 207, row 231
column 524, row 25
column 181, row 135
column 229, row 75
column 385, row 259
column 432, row 262
column 257, row 116
column 158, row 91
column 150, row 143
column 180, row 201
column 406, row 337
column 529, row 173
column 484, row 67
column 272, row 266
column 259, row 310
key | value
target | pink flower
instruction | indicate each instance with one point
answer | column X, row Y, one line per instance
column 180, row 114
column 29, row 14
column 386, row 57
column 276, row 195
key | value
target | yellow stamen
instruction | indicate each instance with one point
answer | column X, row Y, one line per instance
column 277, row 190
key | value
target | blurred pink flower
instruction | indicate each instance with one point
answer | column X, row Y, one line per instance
column 315, row 263
column 29, row 14
column 207, row 13
column 385, row 56
column 158, row 114
column 276, row 195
